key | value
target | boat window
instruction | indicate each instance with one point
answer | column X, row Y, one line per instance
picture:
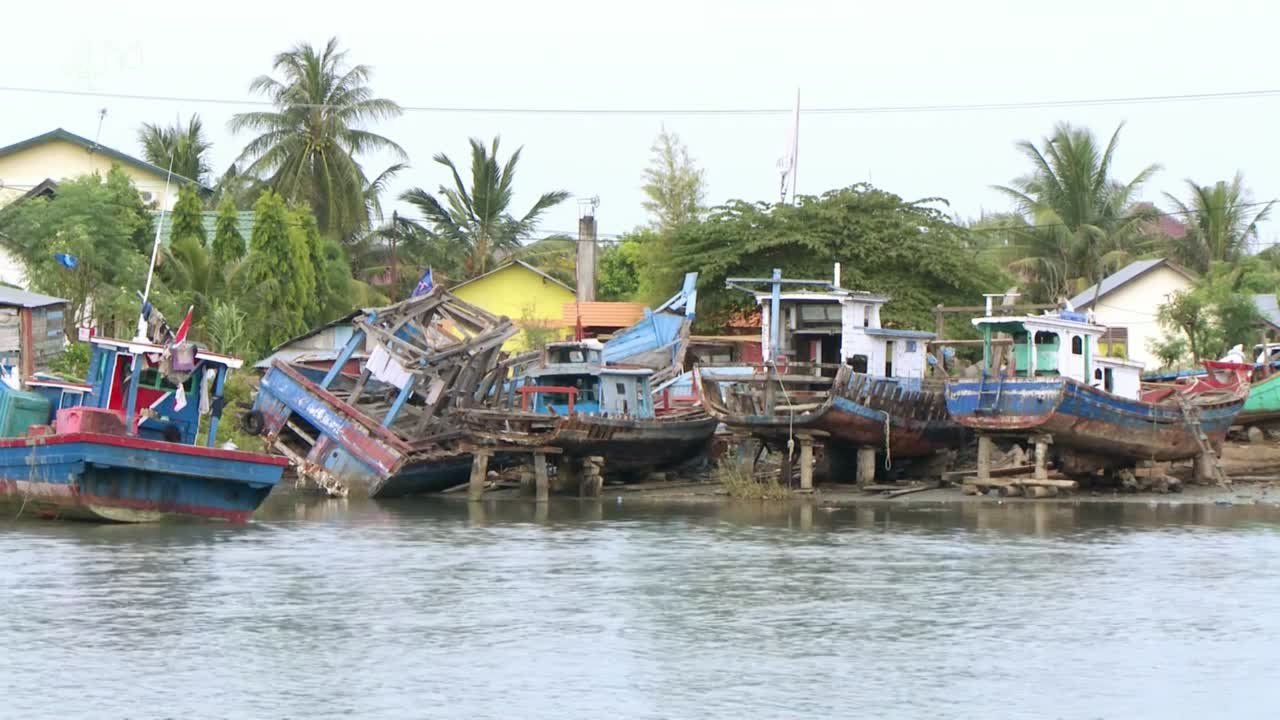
column 1097, row 374
column 622, row 389
column 859, row 363
column 888, row 359
column 1046, row 338
column 1077, row 345
column 820, row 313
column 911, row 346
column 1109, row 381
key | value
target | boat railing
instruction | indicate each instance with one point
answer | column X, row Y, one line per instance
column 528, row 391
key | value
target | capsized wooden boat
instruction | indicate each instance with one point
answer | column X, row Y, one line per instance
column 1094, row 408
column 125, row 446
column 906, row 417
column 392, row 432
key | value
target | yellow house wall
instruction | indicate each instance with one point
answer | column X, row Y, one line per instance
column 61, row 160
column 517, row 292
column 1135, row 305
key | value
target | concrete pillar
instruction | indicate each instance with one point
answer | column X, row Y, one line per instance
column 542, row 483
column 866, row 466
column 479, row 473
column 592, row 483
column 1042, row 458
column 984, row 457
column 806, row 462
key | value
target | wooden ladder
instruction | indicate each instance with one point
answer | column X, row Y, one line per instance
column 1191, row 416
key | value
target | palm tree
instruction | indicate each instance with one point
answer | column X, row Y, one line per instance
column 474, row 220
column 308, row 145
column 1220, row 221
column 183, row 145
column 1079, row 220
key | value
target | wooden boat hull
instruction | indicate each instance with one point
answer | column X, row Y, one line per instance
column 92, row 476
column 628, row 445
column 853, row 416
column 1263, row 403
column 350, row 454
column 1085, row 419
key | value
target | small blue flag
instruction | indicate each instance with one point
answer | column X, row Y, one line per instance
column 65, row 260
column 425, row 285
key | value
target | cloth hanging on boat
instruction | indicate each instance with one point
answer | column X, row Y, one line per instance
column 179, row 398
column 206, row 388
column 386, row 368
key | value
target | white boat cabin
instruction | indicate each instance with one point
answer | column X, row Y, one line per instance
column 1061, row 344
column 842, row 327
column 573, row 378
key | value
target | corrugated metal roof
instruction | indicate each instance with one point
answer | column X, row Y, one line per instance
column 602, row 314
column 13, row 297
column 1125, row 275
column 1268, row 308
column 209, row 218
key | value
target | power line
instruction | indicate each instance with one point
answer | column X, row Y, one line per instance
column 1159, row 214
column 838, row 110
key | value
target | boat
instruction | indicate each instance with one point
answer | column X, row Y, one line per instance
column 1054, row 387
column 1262, row 407
column 390, row 431
column 832, row 372
column 125, row 445
column 574, row 401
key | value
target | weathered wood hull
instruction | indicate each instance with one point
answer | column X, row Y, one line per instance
column 92, row 476
column 629, row 445
column 349, row 452
column 1087, row 420
column 853, row 415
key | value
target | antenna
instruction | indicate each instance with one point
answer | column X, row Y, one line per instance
column 102, row 115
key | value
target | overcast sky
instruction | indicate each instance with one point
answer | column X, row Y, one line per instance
column 690, row 54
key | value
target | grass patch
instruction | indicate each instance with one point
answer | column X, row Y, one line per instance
column 738, row 482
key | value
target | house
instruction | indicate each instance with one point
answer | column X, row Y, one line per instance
column 59, row 155
column 32, row 329
column 531, row 298
column 1127, row 304
column 319, row 347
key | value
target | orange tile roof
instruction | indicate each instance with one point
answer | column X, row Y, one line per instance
column 603, row 314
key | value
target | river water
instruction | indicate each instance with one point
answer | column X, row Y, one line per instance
column 437, row 609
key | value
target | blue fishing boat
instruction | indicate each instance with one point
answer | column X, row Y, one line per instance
column 1053, row 386
column 125, row 446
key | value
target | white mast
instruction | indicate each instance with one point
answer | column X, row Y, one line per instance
column 155, row 248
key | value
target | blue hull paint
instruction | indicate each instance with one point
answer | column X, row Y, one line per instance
column 87, row 476
column 1085, row 418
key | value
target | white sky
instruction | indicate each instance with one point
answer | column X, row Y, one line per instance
column 689, row 54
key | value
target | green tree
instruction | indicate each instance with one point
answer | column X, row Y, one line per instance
column 619, row 271
column 1216, row 313
column 187, row 220
column 183, row 145
column 308, row 147
column 228, row 244
column 675, row 187
column 106, row 229
column 909, row 250
column 277, row 273
column 474, row 221
column 225, row 327
column 312, row 281
column 1078, row 223
column 1221, row 220
column 193, row 277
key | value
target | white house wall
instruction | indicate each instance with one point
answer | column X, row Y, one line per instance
column 1135, row 305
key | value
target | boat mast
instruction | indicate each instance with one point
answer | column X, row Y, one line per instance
column 131, row 405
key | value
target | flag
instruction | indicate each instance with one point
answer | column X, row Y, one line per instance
column 66, row 260
column 425, row 285
column 184, row 328
column 787, row 164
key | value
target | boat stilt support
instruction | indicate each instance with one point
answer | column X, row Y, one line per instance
column 866, row 466
column 592, row 482
column 541, row 482
column 806, row 462
column 985, row 445
column 479, row 474
column 1042, row 443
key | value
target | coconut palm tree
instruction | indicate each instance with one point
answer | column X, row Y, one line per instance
column 183, row 145
column 475, row 219
column 1079, row 220
column 1221, row 223
column 308, row 145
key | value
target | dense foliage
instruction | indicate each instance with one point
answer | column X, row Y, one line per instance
column 182, row 147
column 675, row 189
column 228, row 244
column 1216, row 313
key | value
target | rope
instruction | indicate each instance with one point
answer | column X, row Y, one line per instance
column 888, row 459
column 791, row 415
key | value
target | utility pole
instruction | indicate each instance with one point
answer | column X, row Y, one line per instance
column 586, row 265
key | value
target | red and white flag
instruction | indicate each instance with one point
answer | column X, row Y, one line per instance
column 184, row 328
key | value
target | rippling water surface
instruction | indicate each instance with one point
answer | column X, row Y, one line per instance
column 504, row 610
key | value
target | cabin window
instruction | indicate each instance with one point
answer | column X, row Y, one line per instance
column 819, row 314
column 888, row 359
column 1097, row 374
column 911, row 346
column 859, row 363
column 1109, row 381
column 1077, row 345
column 621, row 388
column 1046, row 338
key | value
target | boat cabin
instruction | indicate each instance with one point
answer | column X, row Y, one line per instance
column 1057, row 344
column 171, row 393
column 838, row 326
column 572, row 378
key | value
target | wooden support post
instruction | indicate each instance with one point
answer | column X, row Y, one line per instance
column 1042, row 456
column 866, row 465
column 479, row 474
column 788, row 467
column 1204, row 468
column 567, row 474
column 984, row 457
column 806, row 462
column 542, row 484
